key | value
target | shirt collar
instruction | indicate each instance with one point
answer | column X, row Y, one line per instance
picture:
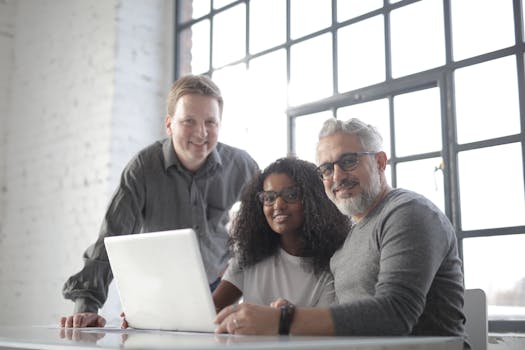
column 171, row 159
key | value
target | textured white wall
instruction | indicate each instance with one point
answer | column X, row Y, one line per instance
column 86, row 91
column 7, row 13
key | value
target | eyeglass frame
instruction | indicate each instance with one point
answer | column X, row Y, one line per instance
column 338, row 162
column 260, row 195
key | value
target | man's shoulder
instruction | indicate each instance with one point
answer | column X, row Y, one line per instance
column 147, row 156
column 400, row 196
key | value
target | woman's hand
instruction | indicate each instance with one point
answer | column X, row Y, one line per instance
column 279, row 302
column 124, row 323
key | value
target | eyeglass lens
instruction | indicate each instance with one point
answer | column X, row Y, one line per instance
column 346, row 163
column 290, row 195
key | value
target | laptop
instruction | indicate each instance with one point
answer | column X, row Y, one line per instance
column 161, row 281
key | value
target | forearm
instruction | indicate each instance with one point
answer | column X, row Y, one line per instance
column 312, row 321
column 225, row 294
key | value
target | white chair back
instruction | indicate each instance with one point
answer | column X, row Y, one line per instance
column 475, row 309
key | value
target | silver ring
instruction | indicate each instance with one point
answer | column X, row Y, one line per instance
column 236, row 323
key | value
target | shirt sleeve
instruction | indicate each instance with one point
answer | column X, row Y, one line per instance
column 413, row 241
column 327, row 295
column 89, row 287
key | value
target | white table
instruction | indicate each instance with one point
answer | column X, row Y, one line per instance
column 111, row 338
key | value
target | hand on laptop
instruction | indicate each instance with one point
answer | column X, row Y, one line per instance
column 124, row 323
column 83, row 319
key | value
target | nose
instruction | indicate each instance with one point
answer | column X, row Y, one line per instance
column 201, row 130
column 338, row 173
column 279, row 202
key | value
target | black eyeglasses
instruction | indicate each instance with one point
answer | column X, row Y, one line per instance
column 289, row 194
column 347, row 162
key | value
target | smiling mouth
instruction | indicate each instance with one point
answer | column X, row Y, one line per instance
column 202, row 144
column 345, row 186
column 280, row 217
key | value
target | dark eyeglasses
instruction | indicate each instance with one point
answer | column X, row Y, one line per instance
column 347, row 162
column 289, row 194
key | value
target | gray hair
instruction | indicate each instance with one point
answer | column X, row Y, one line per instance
column 370, row 139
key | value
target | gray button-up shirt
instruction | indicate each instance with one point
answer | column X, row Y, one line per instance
column 156, row 193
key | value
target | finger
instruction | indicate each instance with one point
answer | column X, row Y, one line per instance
column 222, row 327
column 101, row 321
column 221, row 316
column 122, row 314
column 77, row 320
column 279, row 302
column 69, row 322
column 230, row 327
column 62, row 321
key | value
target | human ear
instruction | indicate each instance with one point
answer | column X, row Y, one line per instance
column 381, row 159
column 168, row 125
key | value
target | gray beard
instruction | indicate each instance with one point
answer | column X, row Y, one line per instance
column 359, row 204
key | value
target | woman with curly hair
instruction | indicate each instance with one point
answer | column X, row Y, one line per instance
column 282, row 238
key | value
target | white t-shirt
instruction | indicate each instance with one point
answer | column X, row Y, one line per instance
column 282, row 276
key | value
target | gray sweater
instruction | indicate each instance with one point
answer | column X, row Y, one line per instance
column 399, row 273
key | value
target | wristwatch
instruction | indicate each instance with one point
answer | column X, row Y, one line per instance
column 286, row 318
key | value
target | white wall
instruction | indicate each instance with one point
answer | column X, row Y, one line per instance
column 7, row 11
column 82, row 88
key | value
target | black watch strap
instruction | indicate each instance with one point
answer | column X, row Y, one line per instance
column 286, row 318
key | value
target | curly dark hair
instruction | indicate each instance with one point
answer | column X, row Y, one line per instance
column 323, row 231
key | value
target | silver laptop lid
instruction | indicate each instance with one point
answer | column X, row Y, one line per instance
column 161, row 280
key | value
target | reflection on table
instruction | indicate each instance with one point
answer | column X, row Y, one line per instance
column 41, row 337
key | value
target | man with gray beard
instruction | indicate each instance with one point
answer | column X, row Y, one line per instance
column 398, row 272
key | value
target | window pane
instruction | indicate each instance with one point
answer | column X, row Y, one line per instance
column 361, row 57
column 418, row 122
column 501, row 276
column 232, row 81
column 217, row 4
column 418, row 40
column 197, row 41
column 306, row 133
column 481, row 26
column 488, row 200
column 311, row 70
column 184, row 56
column 308, row 16
column 347, row 9
column 229, row 36
column 498, row 115
column 374, row 113
column 191, row 9
column 267, row 123
column 424, row 177
column 263, row 34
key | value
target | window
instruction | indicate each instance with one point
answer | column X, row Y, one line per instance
column 443, row 80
